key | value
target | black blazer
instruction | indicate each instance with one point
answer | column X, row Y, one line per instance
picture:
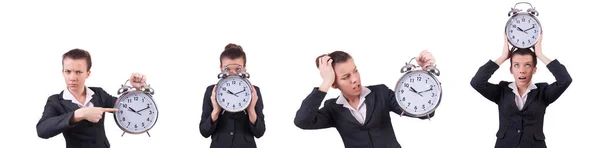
column 521, row 128
column 84, row 134
column 231, row 130
column 377, row 132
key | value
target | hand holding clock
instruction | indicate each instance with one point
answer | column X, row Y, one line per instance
column 137, row 80
column 505, row 52
column 216, row 107
column 425, row 59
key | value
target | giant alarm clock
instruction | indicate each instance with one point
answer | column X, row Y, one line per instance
column 523, row 29
column 234, row 91
column 137, row 110
column 418, row 92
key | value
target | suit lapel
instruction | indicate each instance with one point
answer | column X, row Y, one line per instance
column 532, row 95
column 370, row 103
column 345, row 112
column 69, row 106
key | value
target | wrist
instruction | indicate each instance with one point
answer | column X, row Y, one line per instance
column 78, row 115
column 214, row 115
column 325, row 86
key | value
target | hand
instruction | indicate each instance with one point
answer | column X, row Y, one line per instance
column 131, row 109
column 252, row 107
column 137, row 80
column 327, row 73
column 537, row 48
column 216, row 107
column 92, row 114
column 505, row 52
column 142, row 110
column 240, row 91
column 425, row 59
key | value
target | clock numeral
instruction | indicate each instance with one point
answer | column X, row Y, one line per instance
column 143, row 99
column 412, row 80
column 147, row 119
column 425, row 81
column 415, row 108
column 224, row 89
column 220, row 94
column 429, row 102
column 247, row 94
column 143, row 124
column 148, row 105
column 518, row 21
column 402, row 91
column 135, row 125
column 151, row 112
column 406, row 85
column 514, row 26
column 124, row 105
column 234, row 106
column 513, row 37
column 529, row 41
column 534, row 31
column 523, row 19
column 123, row 119
column 120, row 111
column 418, row 78
column 408, row 104
column 432, row 94
column 240, row 84
column 533, row 37
column 423, row 106
column 240, row 104
column 233, row 82
column 511, row 31
column 128, row 100
column 523, row 42
column 244, row 99
column 135, row 98
column 223, row 100
column 227, row 104
column 404, row 99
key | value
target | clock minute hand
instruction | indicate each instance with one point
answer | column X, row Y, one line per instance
column 529, row 28
column 142, row 109
column 241, row 91
column 430, row 89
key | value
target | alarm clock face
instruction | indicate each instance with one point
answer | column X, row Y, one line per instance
column 233, row 93
column 523, row 30
column 418, row 93
column 137, row 112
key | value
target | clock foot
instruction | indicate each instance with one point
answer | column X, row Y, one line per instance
column 428, row 117
column 245, row 112
column 122, row 134
column 148, row 134
column 223, row 112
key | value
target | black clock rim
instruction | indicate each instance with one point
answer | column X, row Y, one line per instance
column 116, row 107
column 404, row 111
column 520, row 14
column 234, row 76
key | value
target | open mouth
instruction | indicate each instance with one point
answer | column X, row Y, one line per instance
column 356, row 87
column 522, row 78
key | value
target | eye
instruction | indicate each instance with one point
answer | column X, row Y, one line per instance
column 516, row 65
column 78, row 72
column 67, row 71
column 527, row 65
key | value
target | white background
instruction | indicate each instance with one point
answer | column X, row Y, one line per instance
column 177, row 45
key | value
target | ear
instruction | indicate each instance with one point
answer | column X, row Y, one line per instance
column 510, row 67
column 334, row 85
column 88, row 74
column 534, row 70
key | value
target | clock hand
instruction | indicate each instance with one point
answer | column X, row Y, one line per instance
column 229, row 92
column 530, row 28
column 241, row 91
column 132, row 110
column 413, row 90
column 142, row 109
column 519, row 28
column 430, row 89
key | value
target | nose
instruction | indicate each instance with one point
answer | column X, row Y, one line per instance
column 72, row 77
column 353, row 79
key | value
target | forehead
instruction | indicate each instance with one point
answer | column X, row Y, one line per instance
column 517, row 58
column 345, row 67
column 227, row 61
column 79, row 64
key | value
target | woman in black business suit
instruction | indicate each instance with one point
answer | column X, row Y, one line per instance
column 361, row 114
column 78, row 111
column 521, row 104
column 232, row 130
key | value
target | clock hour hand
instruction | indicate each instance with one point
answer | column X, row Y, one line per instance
column 413, row 90
column 132, row 110
column 519, row 28
column 229, row 92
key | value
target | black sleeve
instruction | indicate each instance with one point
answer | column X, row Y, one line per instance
column 207, row 127
column 108, row 99
column 480, row 82
column 563, row 80
column 309, row 116
column 52, row 122
column 258, row 128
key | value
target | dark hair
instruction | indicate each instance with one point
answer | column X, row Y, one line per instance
column 233, row 51
column 524, row 51
column 77, row 54
column 336, row 56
